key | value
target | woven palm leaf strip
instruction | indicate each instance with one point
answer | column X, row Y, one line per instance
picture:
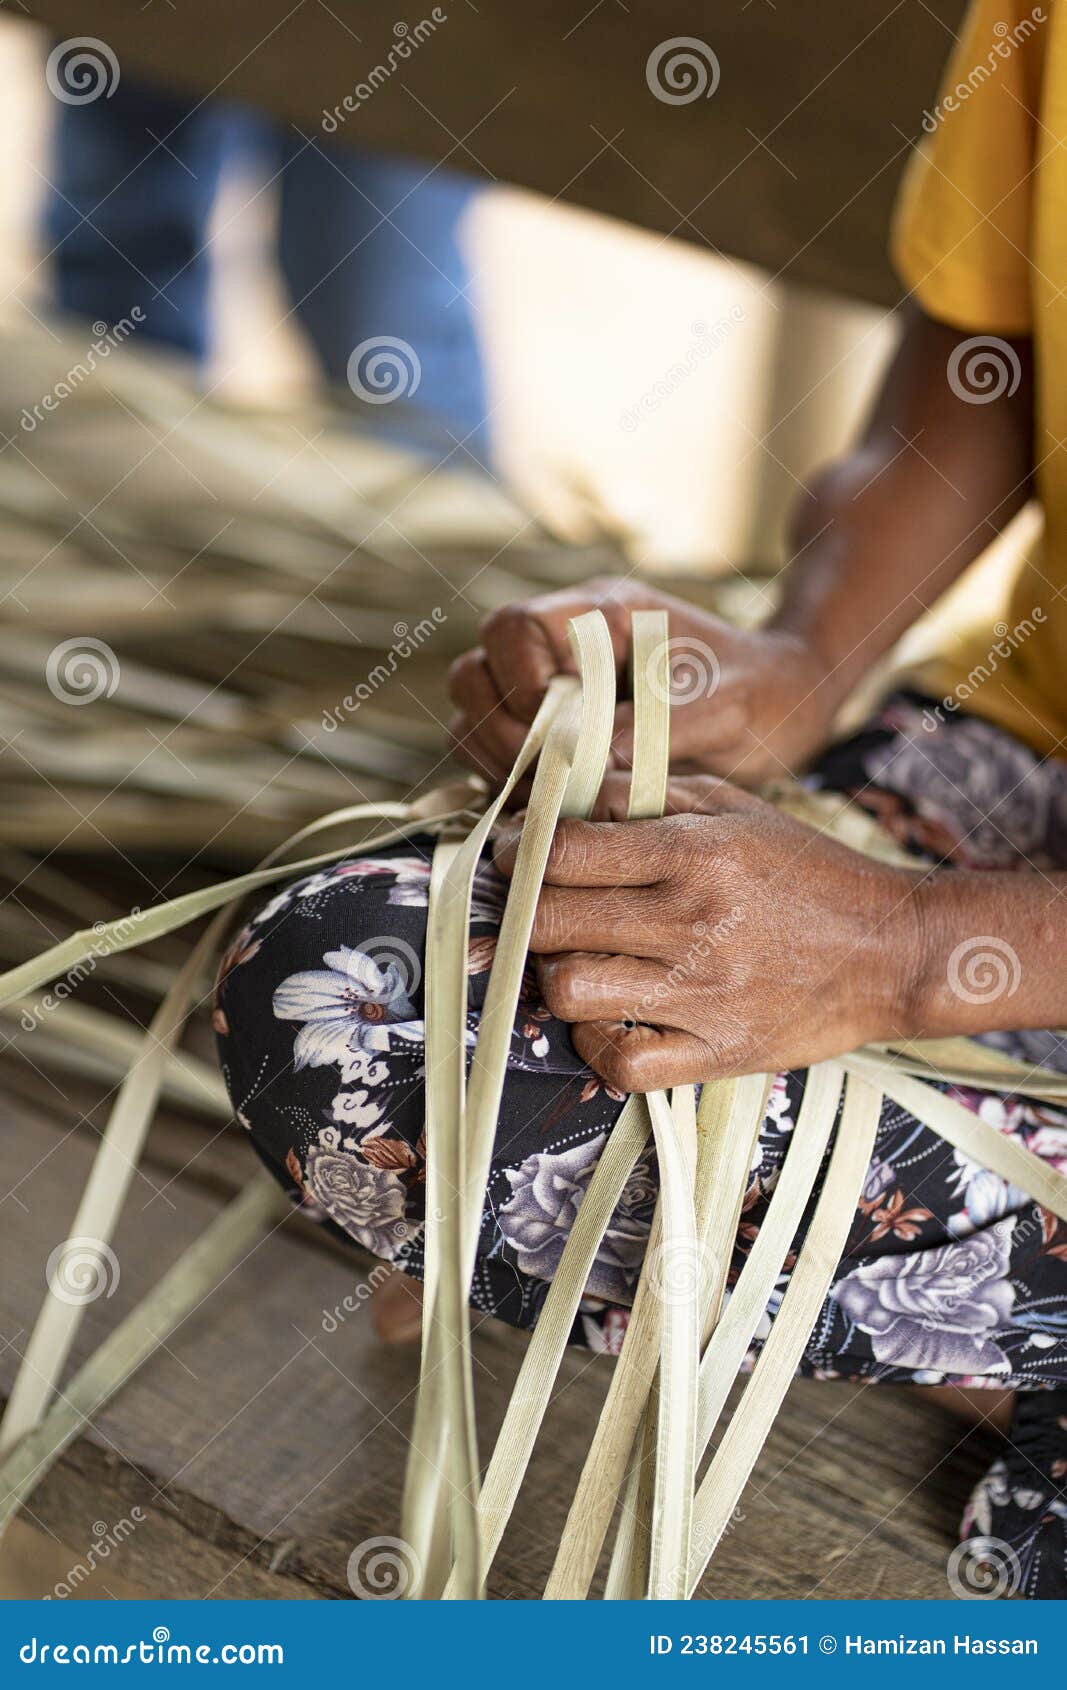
column 724, row 1157
column 632, row 1554
column 666, row 1397
column 449, row 1163
column 123, row 1137
column 223, row 1246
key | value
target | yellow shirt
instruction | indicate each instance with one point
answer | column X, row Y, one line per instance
column 980, row 240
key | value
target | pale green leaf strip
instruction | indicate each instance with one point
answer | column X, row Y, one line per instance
column 198, row 1272
column 676, row 1278
column 141, row 926
column 529, row 1399
column 718, row 1494
column 967, row 1132
column 729, row 1343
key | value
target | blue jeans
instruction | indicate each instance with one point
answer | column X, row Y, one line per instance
column 367, row 243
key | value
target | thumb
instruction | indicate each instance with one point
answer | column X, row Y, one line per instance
column 686, row 795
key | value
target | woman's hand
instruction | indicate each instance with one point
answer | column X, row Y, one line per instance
column 749, row 705
column 725, row 939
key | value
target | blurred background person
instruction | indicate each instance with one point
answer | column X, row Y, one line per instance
column 367, row 243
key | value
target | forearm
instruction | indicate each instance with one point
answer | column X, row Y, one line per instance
column 992, row 954
column 882, row 533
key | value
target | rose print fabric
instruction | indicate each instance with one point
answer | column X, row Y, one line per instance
column 950, row 1274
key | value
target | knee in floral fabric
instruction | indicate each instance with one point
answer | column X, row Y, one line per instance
column 319, row 1020
column 949, row 1274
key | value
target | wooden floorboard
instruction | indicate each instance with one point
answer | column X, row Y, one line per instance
column 263, row 1448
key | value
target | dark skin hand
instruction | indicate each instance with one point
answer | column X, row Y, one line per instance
column 736, row 939
column 739, row 940
column 877, row 539
column 763, row 706
column 729, row 938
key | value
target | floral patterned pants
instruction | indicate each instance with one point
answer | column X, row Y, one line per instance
column 950, row 1274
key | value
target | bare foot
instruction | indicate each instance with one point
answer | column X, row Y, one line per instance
column 396, row 1309
column 974, row 1406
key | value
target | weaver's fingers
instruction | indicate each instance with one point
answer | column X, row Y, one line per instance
column 596, row 853
column 643, row 1058
column 585, row 986
column 526, row 643
column 622, row 736
column 708, row 727
column 627, row 922
column 692, row 794
column 637, row 853
column 466, row 748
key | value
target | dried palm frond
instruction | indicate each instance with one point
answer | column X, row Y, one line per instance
column 191, row 592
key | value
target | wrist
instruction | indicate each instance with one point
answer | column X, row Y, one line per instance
column 894, row 965
column 804, row 644
column 812, row 676
column 986, row 951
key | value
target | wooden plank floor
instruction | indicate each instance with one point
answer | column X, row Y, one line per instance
column 261, row 1448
